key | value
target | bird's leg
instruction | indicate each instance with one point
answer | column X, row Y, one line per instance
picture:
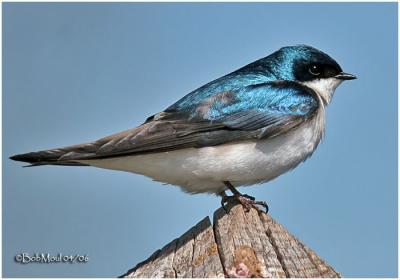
column 246, row 200
column 236, row 192
column 223, row 199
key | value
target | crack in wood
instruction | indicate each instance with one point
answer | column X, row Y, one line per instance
column 238, row 244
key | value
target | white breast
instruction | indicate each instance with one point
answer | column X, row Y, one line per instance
column 242, row 163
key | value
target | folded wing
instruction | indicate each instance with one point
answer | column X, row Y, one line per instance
column 252, row 112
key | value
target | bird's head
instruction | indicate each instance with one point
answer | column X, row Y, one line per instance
column 309, row 66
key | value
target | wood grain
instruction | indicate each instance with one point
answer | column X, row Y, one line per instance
column 241, row 244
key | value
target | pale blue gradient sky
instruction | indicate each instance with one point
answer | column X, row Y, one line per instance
column 77, row 72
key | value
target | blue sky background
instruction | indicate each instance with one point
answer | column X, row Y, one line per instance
column 77, row 72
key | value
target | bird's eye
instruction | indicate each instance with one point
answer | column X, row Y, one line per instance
column 315, row 69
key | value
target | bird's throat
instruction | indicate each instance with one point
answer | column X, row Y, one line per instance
column 325, row 88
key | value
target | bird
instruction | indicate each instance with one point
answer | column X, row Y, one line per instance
column 247, row 127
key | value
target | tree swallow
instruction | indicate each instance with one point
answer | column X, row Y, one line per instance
column 244, row 128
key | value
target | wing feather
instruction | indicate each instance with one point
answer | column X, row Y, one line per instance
column 257, row 111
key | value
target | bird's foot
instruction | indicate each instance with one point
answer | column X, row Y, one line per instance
column 246, row 201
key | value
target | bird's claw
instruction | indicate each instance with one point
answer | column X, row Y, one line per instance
column 223, row 200
column 249, row 196
column 246, row 201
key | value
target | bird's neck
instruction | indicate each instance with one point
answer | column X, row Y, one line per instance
column 325, row 88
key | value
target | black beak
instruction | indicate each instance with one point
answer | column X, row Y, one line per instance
column 345, row 76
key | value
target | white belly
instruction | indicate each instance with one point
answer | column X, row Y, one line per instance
column 241, row 163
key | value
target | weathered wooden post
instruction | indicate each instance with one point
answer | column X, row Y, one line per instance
column 240, row 244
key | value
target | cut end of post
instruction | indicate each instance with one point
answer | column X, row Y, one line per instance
column 239, row 244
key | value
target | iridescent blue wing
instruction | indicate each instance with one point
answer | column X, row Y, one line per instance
column 251, row 112
column 266, row 106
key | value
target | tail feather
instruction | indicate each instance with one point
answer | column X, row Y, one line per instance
column 48, row 157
